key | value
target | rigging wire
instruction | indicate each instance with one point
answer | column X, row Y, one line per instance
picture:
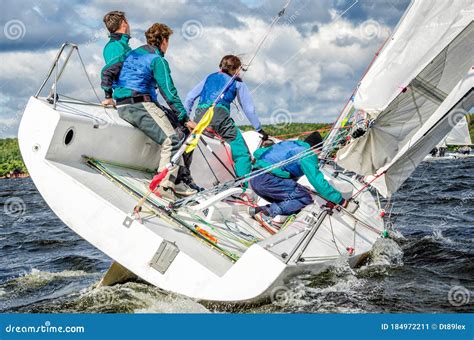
column 87, row 75
column 270, row 28
column 209, row 165
column 241, row 180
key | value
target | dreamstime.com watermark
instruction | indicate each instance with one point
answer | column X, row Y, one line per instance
column 287, row 295
column 14, row 29
column 192, row 29
column 14, row 207
column 459, row 296
column 281, row 118
column 44, row 329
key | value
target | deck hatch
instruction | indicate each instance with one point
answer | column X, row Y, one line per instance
column 164, row 256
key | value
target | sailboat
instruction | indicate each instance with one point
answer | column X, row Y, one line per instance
column 91, row 168
column 458, row 136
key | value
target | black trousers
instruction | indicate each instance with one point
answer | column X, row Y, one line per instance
column 184, row 172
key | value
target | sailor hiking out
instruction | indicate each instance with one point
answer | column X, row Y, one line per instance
column 222, row 123
column 114, row 52
column 145, row 69
column 280, row 187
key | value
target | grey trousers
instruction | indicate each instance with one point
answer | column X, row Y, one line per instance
column 152, row 120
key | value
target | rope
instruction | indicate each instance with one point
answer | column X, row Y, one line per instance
column 87, row 75
column 334, row 237
column 209, row 165
column 270, row 28
column 218, row 158
column 223, row 141
column 367, row 184
column 196, row 135
column 164, row 213
column 242, row 180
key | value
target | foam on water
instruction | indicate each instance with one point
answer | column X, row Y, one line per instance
column 432, row 247
column 439, row 237
column 133, row 297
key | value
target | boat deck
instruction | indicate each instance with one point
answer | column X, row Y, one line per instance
column 227, row 227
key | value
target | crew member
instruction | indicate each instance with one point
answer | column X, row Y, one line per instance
column 280, row 187
column 208, row 90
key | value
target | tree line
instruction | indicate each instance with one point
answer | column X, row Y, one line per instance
column 11, row 161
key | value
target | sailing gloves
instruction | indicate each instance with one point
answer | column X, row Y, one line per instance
column 264, row 135
column 344, row 203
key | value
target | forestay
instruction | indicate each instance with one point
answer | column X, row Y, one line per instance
column 405, row 93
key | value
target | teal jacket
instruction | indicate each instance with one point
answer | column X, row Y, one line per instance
column 145, row 69
column 305, row 166
column 114, row 54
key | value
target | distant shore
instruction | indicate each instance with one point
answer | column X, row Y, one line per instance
column 22, row 175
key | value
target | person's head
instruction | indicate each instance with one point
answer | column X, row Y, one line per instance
column 116, row 22
column 158, row 35
column 230, row 64
column 314, row 140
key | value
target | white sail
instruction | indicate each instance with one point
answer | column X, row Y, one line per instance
column 459, row 135
column 450, row 112
column 425, row 30
column 427, row 57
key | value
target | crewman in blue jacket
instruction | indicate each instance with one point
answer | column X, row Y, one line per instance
column 280, row 187
column 144, row 71
column 208, row 90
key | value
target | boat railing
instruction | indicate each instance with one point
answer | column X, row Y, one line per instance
column 67, row 48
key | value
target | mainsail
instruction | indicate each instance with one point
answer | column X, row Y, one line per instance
column 418, row 88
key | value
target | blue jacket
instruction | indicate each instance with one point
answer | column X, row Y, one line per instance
column 304, row 166
column 144, row 70
column 212, row 86
column 137, row 73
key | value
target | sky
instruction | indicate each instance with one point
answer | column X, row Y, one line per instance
column 305, row 71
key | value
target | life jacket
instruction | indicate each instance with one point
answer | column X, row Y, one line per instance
column 213, row 86
column 280, row 152
column 137, row 73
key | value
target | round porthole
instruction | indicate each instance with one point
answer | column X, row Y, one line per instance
column 68, row 138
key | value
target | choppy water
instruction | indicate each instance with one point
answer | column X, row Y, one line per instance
column 429, row 267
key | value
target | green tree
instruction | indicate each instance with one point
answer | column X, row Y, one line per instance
column 10, row 157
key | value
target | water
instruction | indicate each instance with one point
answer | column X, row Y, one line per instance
column 428, row 267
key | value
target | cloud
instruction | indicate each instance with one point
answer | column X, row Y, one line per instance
column 308, row 65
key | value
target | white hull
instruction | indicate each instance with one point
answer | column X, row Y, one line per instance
column 95, row 207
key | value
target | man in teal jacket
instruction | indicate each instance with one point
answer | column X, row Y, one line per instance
column 114, row 52
column 143, row 71
column 280, row 186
